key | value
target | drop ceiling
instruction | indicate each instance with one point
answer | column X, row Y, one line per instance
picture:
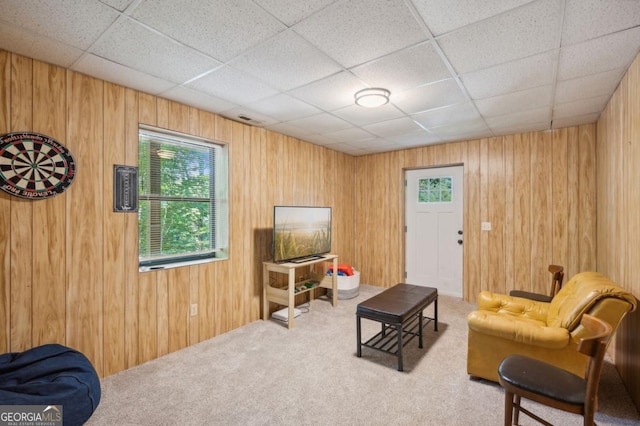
column 456, row 69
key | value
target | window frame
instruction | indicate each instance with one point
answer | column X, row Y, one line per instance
column 220, row 197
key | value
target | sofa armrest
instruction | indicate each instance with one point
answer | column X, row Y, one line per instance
column 513, row 306
column 518, row 329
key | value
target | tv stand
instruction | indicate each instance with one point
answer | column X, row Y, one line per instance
column 306, row 259
column 286, row 296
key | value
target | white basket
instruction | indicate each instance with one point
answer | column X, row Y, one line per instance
column 348, row 286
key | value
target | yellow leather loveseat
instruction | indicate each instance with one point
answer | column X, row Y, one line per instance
column 550, row 332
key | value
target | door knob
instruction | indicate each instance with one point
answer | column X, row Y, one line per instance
column 460, row 242
column 460, row 232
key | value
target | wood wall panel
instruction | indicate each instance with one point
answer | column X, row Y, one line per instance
column 5, row 206
column 49, row 260
column 510, row 182
column 504, row 184
column 618, row 223
column 21, row 214
column 472, row 219
column 114, row 232
column 85, row 217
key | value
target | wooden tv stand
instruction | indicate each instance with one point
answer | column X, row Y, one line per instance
column 286, row 296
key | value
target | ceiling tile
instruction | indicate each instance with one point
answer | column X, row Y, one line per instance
column 293, row 11
column 575, row 120
column 287, row 61
column 77, row 23
column 120, row 74
column 291, row 130
column 25, row 42
column 349, row 135
column 321, row 123
column 513, row 76
column 373, row 28
column 135, row 46
column 520, row 128
column 330, row 93
column 515, row 101
column 361, row 116
column 221, row 28
column 390, row 128
column 588, row 87
column 537, row 115
column 465, row 131
column 602, row 54
column 348, row 149
column 373, row 144
column 459, row 131
column 442, row 16
column 283, row 107
column 253, row 118
column 232, row 85
column 581, row 107
column 294, row 66
column 588, row 19
column 523, row 32
column 411, row 67
column 429, row 96
column 320, row 140
column 459, row 113
column 197, row 99
column 419, row 138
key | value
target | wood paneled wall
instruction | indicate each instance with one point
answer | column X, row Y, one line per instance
column 69, row 266
column 536, row 189
column 618, row 215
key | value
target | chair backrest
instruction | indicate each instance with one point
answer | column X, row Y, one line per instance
column 580, row 294
column 594, row 346
column 557, row 276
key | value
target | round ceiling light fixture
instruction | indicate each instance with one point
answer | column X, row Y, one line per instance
column 373, row 97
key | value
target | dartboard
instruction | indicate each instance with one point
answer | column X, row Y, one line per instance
column 34, row 165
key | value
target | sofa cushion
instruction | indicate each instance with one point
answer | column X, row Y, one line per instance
column 518, row 329
column 512, row 306
column 578, row 296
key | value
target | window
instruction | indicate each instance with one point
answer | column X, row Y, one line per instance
column 434, row 190
column 183, row 203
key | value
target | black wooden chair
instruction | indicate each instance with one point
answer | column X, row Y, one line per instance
column 525, row 377
column 557, row 276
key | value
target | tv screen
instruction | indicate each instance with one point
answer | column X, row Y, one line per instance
column 300, row 233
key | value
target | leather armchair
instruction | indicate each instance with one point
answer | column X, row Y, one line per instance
column 549, row 331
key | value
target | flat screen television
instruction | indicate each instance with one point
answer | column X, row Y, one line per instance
column 300, row 233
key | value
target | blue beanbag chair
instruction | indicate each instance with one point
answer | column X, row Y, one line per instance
column 51, row 375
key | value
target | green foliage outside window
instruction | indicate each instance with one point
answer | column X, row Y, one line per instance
column 177, row 199
column 434, row 190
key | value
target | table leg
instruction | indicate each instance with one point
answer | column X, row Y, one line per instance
column 292, row 296
column 359, row 347
column 400, row 345
column 435, row 314
column 420, row 330
column 265, row 302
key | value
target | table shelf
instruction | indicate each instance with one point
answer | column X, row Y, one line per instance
column 286, row 296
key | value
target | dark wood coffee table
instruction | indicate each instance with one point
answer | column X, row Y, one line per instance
column 399, row 310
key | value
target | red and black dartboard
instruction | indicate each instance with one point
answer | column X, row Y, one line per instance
column 34, row 166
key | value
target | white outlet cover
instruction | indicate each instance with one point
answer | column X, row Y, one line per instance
column 486, row 226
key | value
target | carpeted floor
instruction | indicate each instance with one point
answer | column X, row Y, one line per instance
column 265, row 374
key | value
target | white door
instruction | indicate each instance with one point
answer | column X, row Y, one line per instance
column 433, row 209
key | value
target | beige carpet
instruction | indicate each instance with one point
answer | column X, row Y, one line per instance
column 265, row 374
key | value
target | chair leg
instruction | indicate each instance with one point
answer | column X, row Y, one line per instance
column 516, row 411
column 508, row 408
